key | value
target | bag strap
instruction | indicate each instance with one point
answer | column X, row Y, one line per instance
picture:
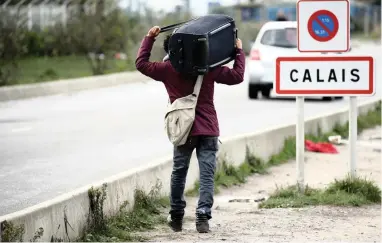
column 198, row 85
column 173, row 26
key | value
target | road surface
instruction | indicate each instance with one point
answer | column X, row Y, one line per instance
column 51, row 145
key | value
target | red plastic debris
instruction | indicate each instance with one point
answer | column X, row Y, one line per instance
column 327, row 148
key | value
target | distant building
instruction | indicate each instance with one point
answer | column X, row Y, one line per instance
column 266, row 10
column 212, row 6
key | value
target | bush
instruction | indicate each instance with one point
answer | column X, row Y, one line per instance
column 99, row 34
column 34, row 42
column 11, row 45
column 376, row 33
column 53, row 41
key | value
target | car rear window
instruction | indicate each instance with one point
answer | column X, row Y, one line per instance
column 286, row 37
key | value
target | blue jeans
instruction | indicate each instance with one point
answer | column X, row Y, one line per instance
column 206, row 151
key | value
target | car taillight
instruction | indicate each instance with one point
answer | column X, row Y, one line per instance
column 255, row 55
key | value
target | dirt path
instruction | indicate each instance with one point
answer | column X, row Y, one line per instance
column 243, row 222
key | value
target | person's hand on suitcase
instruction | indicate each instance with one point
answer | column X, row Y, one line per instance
column 239, row 45
column 154, row 31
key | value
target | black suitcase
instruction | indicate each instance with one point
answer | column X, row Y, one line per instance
column 202, row 44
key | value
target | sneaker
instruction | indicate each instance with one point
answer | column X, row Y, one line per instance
column 175, row 223
column 202, row 225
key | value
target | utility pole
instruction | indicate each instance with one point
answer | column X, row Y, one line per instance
column 187, row 6
column 130, row 6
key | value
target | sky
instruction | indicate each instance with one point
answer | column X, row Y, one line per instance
column 198, row 7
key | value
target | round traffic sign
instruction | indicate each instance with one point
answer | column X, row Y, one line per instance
column 323, row 25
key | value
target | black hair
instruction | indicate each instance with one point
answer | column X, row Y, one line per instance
column 166, row 43
column 185, row 76
column 281, row 18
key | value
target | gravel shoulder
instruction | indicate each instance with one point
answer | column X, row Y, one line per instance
column 237, row 218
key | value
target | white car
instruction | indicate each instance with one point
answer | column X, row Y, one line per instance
column 275, row 39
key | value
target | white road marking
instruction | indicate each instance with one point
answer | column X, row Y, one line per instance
column 21, row 129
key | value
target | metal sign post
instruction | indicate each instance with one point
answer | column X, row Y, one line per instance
column 353, row 123
column 300, row 143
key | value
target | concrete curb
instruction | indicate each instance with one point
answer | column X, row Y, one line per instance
column 74, row 206
column 68, row 86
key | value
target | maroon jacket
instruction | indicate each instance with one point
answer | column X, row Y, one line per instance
column 206, row 121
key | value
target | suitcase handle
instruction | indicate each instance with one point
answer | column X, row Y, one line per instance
column 235, row 36
column 173, row 26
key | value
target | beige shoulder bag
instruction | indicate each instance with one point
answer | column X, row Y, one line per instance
column 180, row 116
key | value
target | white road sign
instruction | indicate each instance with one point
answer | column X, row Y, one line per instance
column 326, row 76
column 323, row 25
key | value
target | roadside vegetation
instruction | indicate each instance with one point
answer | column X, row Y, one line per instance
column 369, row 120
column 42, row 69
column 375, row 34
column 345, row 192
column 228, row 175
column 91, row 42
column 146, row 213
column 103, row 40
column 150, row 209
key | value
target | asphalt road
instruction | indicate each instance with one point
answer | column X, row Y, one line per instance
column 51, row 145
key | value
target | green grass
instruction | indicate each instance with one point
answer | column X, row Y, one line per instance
column 374, row 35
column 287, row 153
column 125, row 226
column 346, row 192
column 42, row 69
column 369, row 120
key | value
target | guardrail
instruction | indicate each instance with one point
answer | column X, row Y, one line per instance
column 74, row 206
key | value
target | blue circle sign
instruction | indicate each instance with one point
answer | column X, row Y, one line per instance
column 323, row 25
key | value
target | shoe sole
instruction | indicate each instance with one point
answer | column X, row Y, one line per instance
column 203, row 230
column 175, row 229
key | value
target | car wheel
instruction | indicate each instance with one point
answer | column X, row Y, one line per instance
column 252, row 92
column 266, row 92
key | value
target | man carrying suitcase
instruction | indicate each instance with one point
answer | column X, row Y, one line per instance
column 205, row 131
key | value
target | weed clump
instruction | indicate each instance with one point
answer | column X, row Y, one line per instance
column 145, row 214
column 96, row 219
column 11, row 232
column 346, row 192
column 287, row 153
column 358, row 186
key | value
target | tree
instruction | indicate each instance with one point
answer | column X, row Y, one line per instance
column 12, row 29
column 98, row 32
